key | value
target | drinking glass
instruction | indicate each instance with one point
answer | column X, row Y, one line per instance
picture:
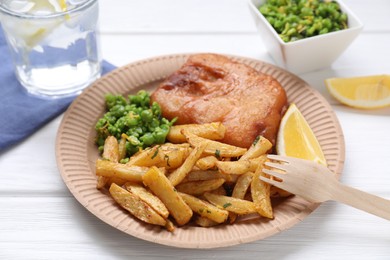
column 54, row 44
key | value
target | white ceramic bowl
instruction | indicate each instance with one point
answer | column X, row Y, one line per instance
column 307, row 54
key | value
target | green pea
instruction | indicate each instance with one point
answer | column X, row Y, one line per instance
column 155, row 123
column 100, row 141
column 291, row 31
column 101, row 123
column 285, row 38
column 160, row 135
column 323, row 31
column 124, row 161
column 278, row 25
column 146, row 102
column 327, row 23
column 147, row 115
column 156, row 109
column 110, row 100
column 135, row 99
column 131, row 132
column 306, row 11
column 343, row 17
column 147, row 139
column 138, row 130
column 310, row 31
column 131, row 149
column 133, row 140
column 118, row 110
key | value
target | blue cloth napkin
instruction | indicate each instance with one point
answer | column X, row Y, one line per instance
column 20, row 113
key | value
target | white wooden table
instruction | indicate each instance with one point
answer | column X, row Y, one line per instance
column 40, row 219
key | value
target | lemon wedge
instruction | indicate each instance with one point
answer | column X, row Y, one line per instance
column 368, row 92
column 296, row 138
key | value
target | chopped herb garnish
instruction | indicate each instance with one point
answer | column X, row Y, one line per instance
column 166, row 157
column 155, row 153
column 200, row 210
column 226, row 205
column 256, row 140
column 218, row 154
column 208, row 211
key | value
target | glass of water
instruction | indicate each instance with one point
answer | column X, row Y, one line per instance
column 54, row 44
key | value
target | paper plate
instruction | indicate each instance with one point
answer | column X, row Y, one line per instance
column 76, row 154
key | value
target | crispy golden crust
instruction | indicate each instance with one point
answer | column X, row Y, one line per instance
column 213, row 88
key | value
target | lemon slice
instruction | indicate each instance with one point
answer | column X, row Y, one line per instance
column 63, row 5
column 361, row 92
column 296, row 138
column 33, row 32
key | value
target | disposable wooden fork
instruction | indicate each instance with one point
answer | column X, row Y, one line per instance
column 316, row 183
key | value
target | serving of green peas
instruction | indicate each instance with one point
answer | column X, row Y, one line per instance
column 298, row 19
column 133, row 119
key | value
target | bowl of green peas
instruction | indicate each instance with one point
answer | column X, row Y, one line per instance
column 305, row 35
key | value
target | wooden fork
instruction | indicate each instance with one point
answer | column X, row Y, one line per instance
column 316, row 183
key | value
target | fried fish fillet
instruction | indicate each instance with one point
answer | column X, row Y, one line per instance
column 213, row 88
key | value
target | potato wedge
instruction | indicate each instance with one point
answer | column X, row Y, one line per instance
column 148, row 197
column 122, row 147
column 205, row 222
column 174, row 156
column 242, row 185
column 213, row 147
column 110, row 153
column 212, row 131
column 170, row 226
column 205, row 209
column 167, row 156
column 219, row 191
column 206, row 163
column 259, row 147
column 163, row 188
column 111, row 149
column 136, row 206
column 199, row 175
column 241, row 166
column 180, row 173
column 234, row 167
column 231, row 204
column 148, row 157
column 260, row 192
column 240, row 189
column 116, row 180
column 200, row 187
column 102, row 181
column 122, row 171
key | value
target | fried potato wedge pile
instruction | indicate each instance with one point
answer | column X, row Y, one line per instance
column 193, row 177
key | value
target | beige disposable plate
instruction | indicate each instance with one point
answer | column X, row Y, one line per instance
column 77, row 153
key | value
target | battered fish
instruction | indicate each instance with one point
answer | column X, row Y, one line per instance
column 213, row 88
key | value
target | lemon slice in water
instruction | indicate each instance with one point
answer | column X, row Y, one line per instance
column 296, row 138
column 35, row 31
column 361, row 92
